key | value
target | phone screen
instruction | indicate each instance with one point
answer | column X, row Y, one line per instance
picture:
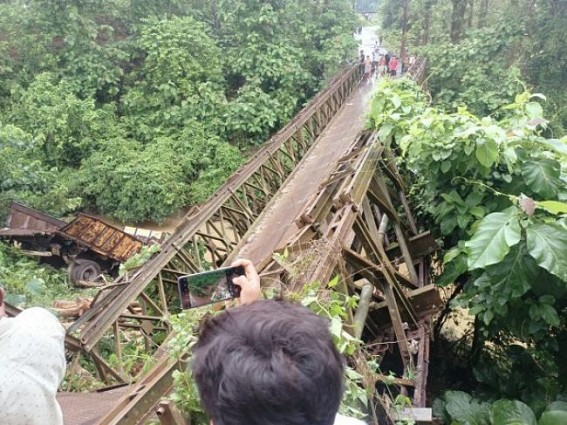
column 199, row 289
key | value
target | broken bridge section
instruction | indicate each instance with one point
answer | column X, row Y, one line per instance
column 135, row 308
column 326, row 192
column 358, row 226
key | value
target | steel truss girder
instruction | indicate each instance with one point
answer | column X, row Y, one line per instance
column 143, row 300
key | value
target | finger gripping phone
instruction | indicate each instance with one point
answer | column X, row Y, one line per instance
column 204, row 288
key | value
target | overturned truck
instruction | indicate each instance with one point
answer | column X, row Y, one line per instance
column 87, row 245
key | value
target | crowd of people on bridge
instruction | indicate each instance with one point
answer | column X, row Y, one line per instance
column 381, row 63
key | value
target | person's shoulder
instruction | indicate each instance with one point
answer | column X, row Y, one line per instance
column 345, row 420
column 41, row 320
column 38, row 313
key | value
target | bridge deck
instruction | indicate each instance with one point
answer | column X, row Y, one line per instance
column 87, row 408
column 276, row 223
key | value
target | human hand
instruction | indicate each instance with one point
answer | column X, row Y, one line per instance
column 249, row 284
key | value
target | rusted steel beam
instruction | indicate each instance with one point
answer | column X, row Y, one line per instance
column 396, row 381
column 370, row 270
column 419, row 246
column 422, row 364
column 143, row 397
column 168, row 414
column 425, row 302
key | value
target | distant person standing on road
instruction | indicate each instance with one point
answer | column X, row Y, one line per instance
column 375, row 55
column 411, row 61
column 388, row 56
column 393, row 66
column 405, row 64
column 367, row 69
column 361, row 63
column 383, row 65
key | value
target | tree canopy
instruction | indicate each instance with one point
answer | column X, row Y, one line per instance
column 477, row 51
column 136, row 108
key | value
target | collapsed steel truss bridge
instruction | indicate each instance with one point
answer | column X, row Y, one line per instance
column 327, row 193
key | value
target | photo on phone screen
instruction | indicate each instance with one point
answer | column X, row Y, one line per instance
column 204, row 288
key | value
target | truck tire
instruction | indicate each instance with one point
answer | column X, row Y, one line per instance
column 84, row 270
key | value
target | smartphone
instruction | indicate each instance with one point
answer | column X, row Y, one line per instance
column 204, row 288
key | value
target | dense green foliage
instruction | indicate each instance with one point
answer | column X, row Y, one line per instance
column 28, row 283
column 457, row 407
column 477, row 50
column 494, row 190
column 136, row 108
column 493, row 187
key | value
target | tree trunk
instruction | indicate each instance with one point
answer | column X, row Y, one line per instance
column 405, row 12
column 458, row 19
column 427, row 6
column 470, row 13
column 483, row 13
column 215, row 17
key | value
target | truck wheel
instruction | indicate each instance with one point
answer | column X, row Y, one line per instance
column 84, row 270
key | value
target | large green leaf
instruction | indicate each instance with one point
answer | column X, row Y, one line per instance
column 554, row 207
column 555, row 414
column 385, row 131
column 496, row 233
column 515, row 272
column 486, row 152
column 439, row 411
column 452, row 270
column 547, row 244
column 534, row 110
column 556, row 417
column 557, row 406
column 465, row 410
column 543, row 176
column 512, row 412
column 558, row 145
column 547, row 283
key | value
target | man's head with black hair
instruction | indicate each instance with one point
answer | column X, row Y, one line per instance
column 268, row 363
